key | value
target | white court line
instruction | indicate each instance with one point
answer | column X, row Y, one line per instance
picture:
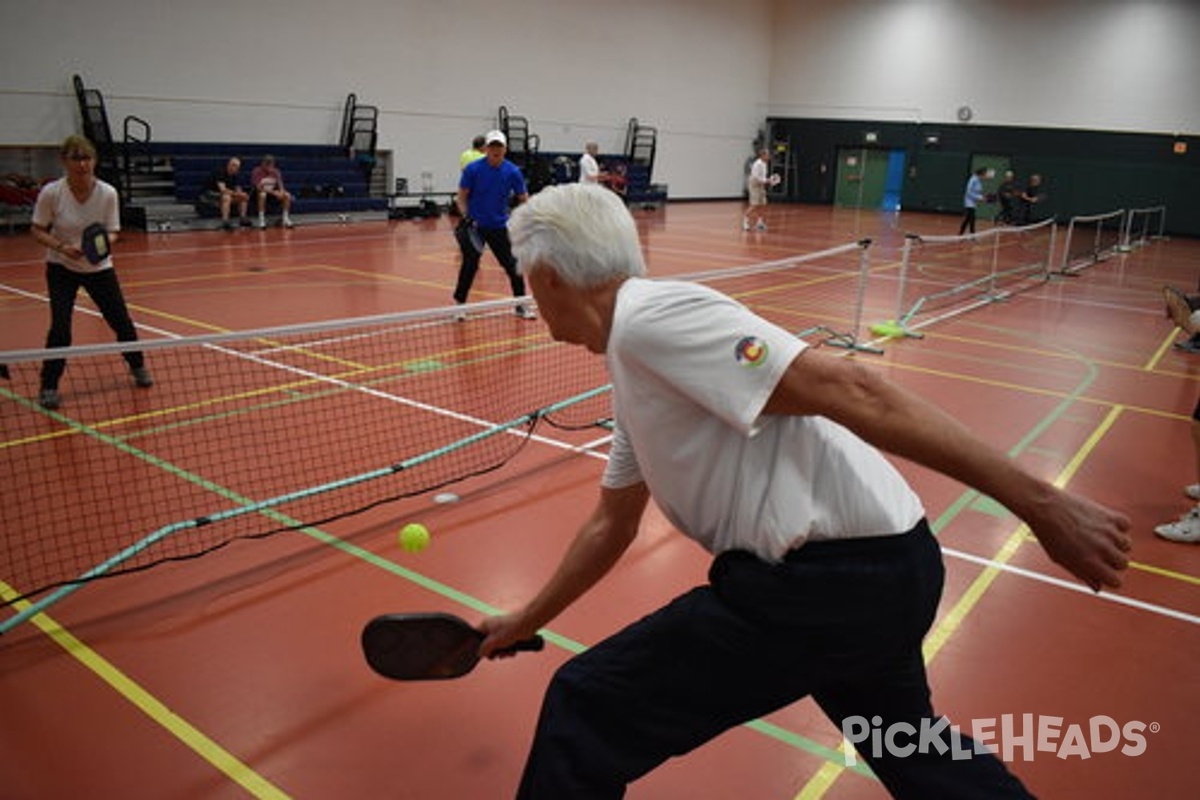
column 1074, row 587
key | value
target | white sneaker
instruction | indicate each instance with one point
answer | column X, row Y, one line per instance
column 261, row 223
column 1186, row 529
column 525, row 313
column 745, row 224
column 761, row 226
column 287, row 222
column 1192, row 491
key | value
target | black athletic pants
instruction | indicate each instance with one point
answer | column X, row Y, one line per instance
column 840, row 621
column 497, row 240
column 105, row 290
column 968, row 222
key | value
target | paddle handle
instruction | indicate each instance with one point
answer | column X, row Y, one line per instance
column 531, row 645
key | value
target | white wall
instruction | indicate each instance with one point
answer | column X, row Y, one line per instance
column 1128, row 65
column 280, row 70
column 704, row 72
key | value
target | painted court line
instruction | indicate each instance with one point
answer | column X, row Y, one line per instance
column 196, row 740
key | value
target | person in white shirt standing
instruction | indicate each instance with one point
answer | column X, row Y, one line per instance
column 589, row 167
column 64, row 209
column 756, row 190
column 825, row 576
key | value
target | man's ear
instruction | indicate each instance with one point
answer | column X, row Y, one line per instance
column 547, row 276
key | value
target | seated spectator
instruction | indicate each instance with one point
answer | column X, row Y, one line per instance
column 267, row 181
column 223, row 190
column 1184, row 311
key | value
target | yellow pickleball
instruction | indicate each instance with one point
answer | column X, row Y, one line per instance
column 414, row 537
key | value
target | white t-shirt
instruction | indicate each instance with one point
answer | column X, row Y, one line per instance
column 759, row 177
column 691, row 371
column 57, row 209
column 589, row 169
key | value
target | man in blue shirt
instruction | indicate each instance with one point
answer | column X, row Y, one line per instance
column 485, row 192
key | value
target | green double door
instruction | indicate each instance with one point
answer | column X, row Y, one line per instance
column 869, row 177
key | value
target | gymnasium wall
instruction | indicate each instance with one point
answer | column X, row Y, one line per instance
column 1084, row 172
column 1109, row 65
column 706, row 73
column 1093, row 95
column 280, row 70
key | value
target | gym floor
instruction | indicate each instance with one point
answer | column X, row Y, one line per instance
column 239, row 673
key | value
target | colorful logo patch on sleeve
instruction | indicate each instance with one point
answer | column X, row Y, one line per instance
column 750, row 351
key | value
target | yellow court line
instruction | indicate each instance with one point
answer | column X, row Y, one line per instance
column 1162, row 350
column 1059, row 355
column 199, row 742
column 210, row 277
column 1033, row 390
column 822, row 782
column 950, row 623
column 216, row 329
column 388, row 277
column 153, row 312
column 1165, row 573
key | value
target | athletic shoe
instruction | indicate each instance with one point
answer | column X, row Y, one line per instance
column 1190, row 345
column 227, row 225
column 48, row 398
column 525, row 313
column 287, row 222
column 761, row 226
column 261, row 223
column 1192, row 491
column 141, row 377
column 1187, row 529
column 460, row 316
column 245, row 222
column 745, row 224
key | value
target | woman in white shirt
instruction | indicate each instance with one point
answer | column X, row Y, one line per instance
column 65, row 208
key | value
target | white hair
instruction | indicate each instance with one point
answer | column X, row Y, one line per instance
column 583, row 232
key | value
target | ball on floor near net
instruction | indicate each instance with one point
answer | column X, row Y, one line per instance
column 414, row 537
column 890, row 329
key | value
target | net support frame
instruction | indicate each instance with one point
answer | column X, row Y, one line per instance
column 1128, row 242
column 1097, row 252
column 986, row 287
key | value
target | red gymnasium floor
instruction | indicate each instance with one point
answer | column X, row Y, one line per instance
column 239, row 673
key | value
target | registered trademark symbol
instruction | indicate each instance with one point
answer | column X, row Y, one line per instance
column 1155, row 727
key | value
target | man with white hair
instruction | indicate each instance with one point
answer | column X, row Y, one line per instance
column 826, row 575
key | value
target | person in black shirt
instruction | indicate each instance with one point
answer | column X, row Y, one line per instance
column 1028, row 198
column 224, row 189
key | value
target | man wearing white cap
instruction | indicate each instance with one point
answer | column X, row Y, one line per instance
column 486, row 191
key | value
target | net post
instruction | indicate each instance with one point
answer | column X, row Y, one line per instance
column 851, row 339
